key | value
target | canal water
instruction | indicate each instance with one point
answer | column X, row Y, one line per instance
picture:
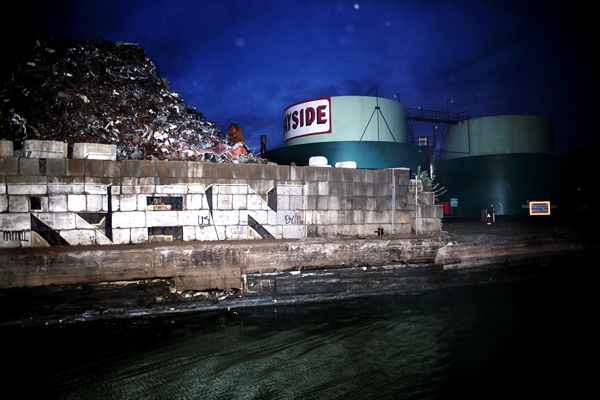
column 510, row 340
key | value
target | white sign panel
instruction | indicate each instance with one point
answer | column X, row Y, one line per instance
column 311, row 117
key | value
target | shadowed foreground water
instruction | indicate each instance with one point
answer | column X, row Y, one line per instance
column 491, row 341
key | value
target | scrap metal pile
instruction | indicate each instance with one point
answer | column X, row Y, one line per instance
column 102, row 92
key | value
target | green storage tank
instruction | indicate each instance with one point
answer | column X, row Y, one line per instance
column 504, row 161
column 370, row 131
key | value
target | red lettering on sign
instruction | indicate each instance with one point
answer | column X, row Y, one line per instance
column 295, row 119
column 310, row 116
column 321, row 115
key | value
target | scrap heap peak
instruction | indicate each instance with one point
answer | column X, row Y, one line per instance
column 110, row 93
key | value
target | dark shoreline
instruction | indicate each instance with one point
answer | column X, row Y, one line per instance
column 481, row 255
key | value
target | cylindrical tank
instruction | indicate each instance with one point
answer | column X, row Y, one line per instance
column 372, row 131
column 504, row 161
column 504, row 134
column 345, row 118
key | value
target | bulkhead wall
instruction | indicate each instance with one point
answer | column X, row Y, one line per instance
column 48, row 202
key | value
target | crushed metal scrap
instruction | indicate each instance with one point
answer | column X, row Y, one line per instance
column 102, row 92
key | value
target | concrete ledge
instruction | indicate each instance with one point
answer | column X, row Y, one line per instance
column 206, row 265
column 6, row 148
column 45, row 149
column 95, row 151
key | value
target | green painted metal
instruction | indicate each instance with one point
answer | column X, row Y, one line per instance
column 506, row 181
column 504, row 134
column 362, row 118
column 368, row 155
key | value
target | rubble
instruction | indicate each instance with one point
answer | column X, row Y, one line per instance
column 78, row 91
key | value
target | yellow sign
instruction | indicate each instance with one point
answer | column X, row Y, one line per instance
column 539, row 208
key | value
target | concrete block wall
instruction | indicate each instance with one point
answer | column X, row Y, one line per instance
column 61, row 201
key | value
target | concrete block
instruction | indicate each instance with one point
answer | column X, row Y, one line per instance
column 95, row 151
column 239, row 201
column 428, row 225
column 58, row 221
column 121, row 236
column 9, row 166
column 317, row 161
column 230, row 189
column 27, row 189
column 297, row 203
column 179, row 169
column 189, row 233
column 226, row 217
column 345, row 164
column 293, row 232
column 363, row 189
column 76, row 202
column 318, row 174
column 346, row 203
column 18, row 204
column 128, row 202
column 223, row 202
column 402, row 176
column 208, row 233
column 193, row 217
column 45, row 149
column 196, row 188
column 75, row 167
column 426, row 199
column 96, row 203
column 194, row 169
column 139, row 235
column 236, row 232
column 161, row 218
column 371, row 204
column 57, row 203
column 334, row 203
column 262, row 217
column 283, row 203
column 383, row 203
column 6, row 149
column 79, row 237
column 340, row 189
column 431, row 211
column 171, row 189
column 405, row 217
column 101, row 239
column 322, row 203
column 225, row 171
column 3, row 203
column 195, row 201
column 56, row 166
column 29, row 166
column 15, row 221
column 92, row 188
column 131, row 219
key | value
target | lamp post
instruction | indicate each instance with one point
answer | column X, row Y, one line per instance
column 448, row 101
column 398, row 96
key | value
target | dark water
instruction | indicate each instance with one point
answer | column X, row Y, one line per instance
column 515, row 340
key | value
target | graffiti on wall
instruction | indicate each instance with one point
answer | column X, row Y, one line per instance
column 109, row 215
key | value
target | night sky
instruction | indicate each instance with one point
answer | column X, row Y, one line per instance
column 244, row 62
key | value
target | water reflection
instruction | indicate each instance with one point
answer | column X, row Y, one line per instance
column 478, row 342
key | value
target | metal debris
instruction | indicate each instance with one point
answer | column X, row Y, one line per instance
column 102, row 92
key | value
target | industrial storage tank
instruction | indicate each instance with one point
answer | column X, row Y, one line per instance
column 370, row 131
column 504, row 134
column 500, row 161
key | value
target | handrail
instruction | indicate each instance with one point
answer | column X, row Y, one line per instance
column 418, row 114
